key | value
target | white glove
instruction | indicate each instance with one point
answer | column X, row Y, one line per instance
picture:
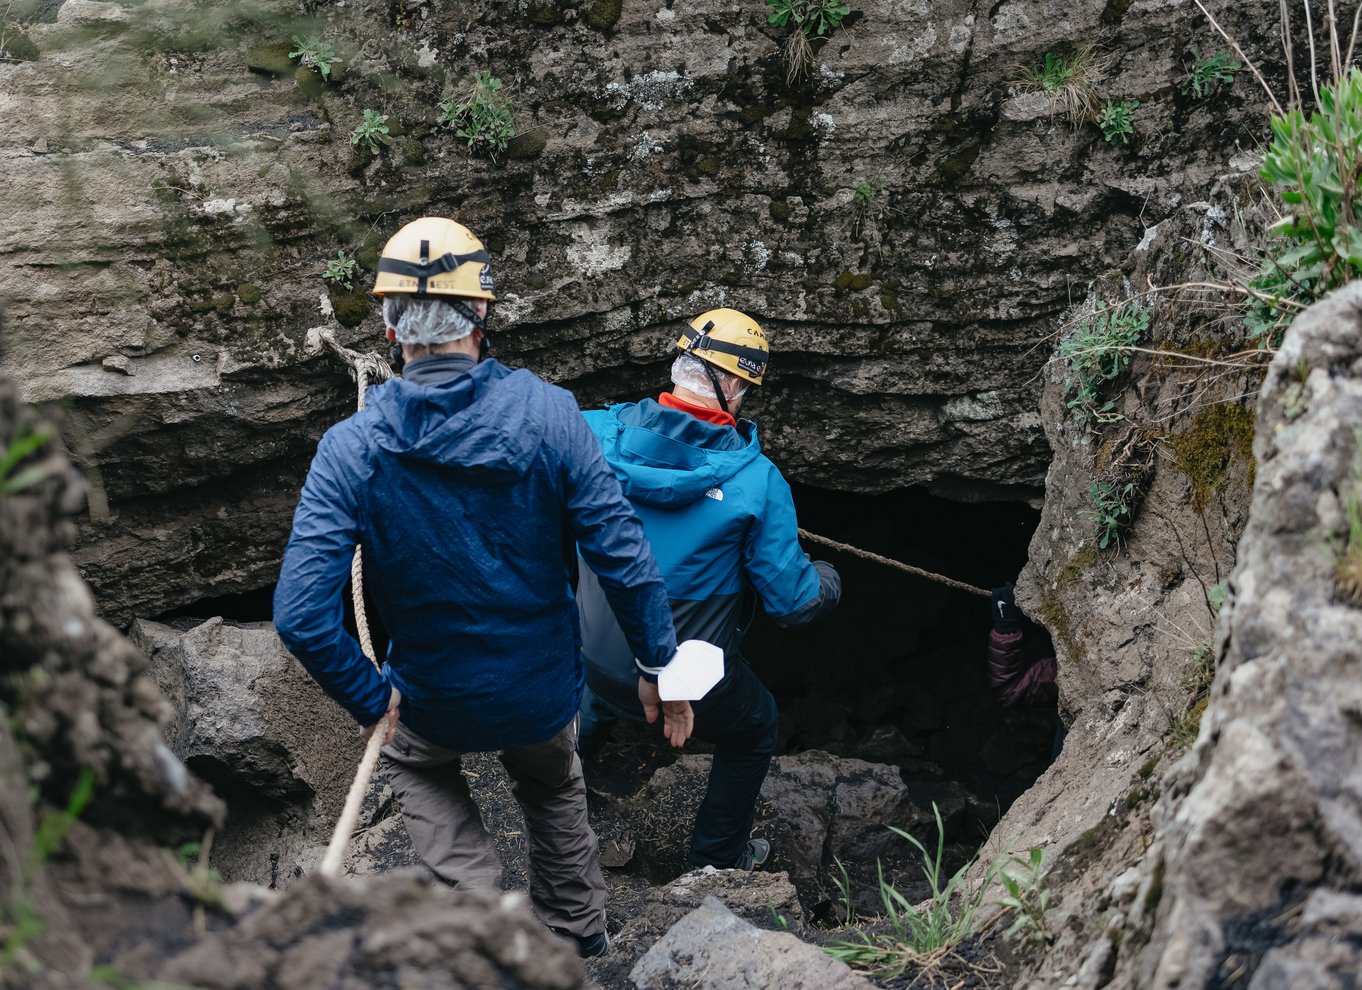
column 694, row 668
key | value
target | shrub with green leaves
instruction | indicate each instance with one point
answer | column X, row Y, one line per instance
column 1315, row 163
column 482, row 117
column 371, row 131
column 945, row 920
column 314, row 53
column 340, row 270
column 1097, row 351
column 1208, row 71
column 1117, row 120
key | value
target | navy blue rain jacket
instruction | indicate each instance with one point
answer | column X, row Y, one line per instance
column 720, row 519
column 467, row 497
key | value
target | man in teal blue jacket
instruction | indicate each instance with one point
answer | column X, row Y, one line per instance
column 468, row 485
column 721, row 522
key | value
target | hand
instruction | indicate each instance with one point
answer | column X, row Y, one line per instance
column 1006, row 616
column 677, row 718
column 389, row 719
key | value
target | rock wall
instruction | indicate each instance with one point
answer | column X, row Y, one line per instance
column 181, row 190
column 1258, row 840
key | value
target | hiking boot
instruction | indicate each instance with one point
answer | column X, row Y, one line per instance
column 588, row 946
column 754, row 857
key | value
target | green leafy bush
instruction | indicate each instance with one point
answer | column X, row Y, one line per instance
column 1315, row 163
column 1117, row 120
column 482, row 117
column 947, row 919
column 1206, row 72
column 314, row 53
column 340, row 270
column 371, row 131
column 1097, row 351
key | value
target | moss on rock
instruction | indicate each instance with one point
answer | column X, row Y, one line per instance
column 854, row 282
column 604, row 14
column 271, row 60
column 311, row 83
column 350, row 307
column 1217, row 437
column 780, row 210
column 527, row 146
column 248, row 293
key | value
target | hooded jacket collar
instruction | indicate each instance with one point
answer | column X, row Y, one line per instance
column 667, row 457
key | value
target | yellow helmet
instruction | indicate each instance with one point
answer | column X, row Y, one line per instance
column 435, row 257
column 728, row 340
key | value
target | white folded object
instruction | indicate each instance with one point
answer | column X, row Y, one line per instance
column 695, row 668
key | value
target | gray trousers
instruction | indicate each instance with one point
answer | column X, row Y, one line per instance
column 566, row 885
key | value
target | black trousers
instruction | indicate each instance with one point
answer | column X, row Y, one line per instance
column 739, row 718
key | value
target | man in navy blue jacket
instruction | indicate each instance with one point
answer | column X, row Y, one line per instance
column 721, row 522
column 468, row 485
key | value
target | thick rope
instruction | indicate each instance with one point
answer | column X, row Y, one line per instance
column 363, row 367
column 896, row 564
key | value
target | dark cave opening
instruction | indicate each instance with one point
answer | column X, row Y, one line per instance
column 898, row 673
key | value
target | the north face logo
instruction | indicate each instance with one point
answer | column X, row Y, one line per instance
column 715, row 493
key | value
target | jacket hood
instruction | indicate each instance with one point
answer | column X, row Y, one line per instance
column 489, row 420
column 667, row 457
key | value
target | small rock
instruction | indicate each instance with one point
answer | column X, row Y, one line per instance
column 713, row 948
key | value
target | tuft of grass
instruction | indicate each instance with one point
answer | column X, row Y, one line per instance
column 1208, row 71
column 945, row 920
column 1117, row 120
column 1068, row 80
column 482, row 117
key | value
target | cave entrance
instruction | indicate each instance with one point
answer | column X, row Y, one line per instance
column 897, row 673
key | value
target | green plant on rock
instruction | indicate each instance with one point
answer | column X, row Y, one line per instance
column 314, row 53
column 1098, row 351
column 946, row 919
column 19, row 920
column 340, row 270
column 1068, row 81
column 482, row 117
column 24, row 444
column 1315, row 163
column 371, row 131
column 1111, row 504
column 1117, row 120
column 810, row 19
column 865, row 194
column 1207, row 71
column 1028, row 899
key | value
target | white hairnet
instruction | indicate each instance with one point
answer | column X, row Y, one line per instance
column 424, row 321
column 688, row 371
